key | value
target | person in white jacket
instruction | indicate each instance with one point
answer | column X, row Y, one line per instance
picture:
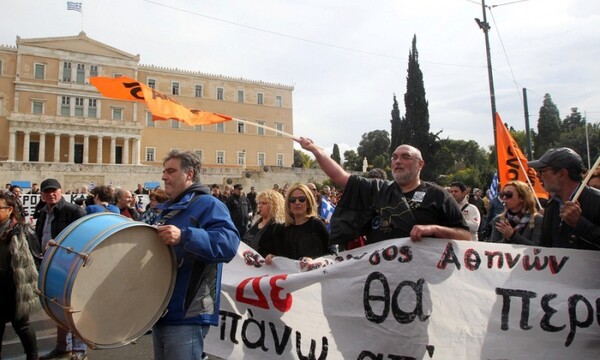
column 459, row 192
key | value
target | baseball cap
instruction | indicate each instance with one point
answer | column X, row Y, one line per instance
column 559, row 158
column 50, row 184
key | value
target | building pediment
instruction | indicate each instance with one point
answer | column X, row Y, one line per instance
column 80, row 43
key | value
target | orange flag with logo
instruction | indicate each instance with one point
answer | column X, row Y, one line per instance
column 160, row 105
column 512, row 163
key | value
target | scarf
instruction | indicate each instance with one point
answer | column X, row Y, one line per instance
column 519, row 220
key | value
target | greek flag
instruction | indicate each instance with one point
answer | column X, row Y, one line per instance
column 75, row 6
column 326, row 210
column 494, row 186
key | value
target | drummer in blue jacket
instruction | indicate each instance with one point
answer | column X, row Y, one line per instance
column 199, row 228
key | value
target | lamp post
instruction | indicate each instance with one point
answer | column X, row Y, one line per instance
column 483, row 25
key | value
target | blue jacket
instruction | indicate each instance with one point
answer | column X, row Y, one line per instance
column 208, row 239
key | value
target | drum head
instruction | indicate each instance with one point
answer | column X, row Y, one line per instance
column 123, row 288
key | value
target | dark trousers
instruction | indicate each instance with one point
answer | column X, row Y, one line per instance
column 27, row 335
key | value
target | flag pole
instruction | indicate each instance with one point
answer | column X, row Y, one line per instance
column 585, row 181
column 267, row 128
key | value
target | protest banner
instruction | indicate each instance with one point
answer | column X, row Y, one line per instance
column 435, row 299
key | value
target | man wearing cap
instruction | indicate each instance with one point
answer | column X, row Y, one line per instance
column 567, row 223
column 56, row 215
column 239, row 209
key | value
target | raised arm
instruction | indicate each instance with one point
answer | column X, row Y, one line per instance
column 337, row 174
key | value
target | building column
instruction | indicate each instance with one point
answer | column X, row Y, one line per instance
column 99, row 155
column 57, row 147
column 42, row 152
column 71, row 149
column 26, row 145
column 12, row 143
column 113, row 144
column 126, row 151
column 86, row 149
column 136, row 151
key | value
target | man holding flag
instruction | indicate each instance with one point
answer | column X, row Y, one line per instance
column 569, row 222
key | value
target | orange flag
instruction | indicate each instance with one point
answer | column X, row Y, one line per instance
column 512, row 163
column 160, row 105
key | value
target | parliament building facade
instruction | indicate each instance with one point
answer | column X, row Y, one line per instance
column 50, row 114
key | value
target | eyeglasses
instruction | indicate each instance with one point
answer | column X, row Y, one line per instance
column 506, row 194
column 293, row 199
column 543, row 170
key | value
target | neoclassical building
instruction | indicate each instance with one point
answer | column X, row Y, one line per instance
column 50, row 113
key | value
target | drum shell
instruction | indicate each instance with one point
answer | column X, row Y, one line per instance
column 107, row 269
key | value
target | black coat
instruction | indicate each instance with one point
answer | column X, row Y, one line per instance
column 64, row 214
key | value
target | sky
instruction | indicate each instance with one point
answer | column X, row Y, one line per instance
column 347, row 59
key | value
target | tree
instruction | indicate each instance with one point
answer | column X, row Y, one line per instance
column 549, row 128
column 335, row 154
column 416, row 123
column 373, row 144
column 396, row 127
column 573, row 121
column 352, row 162
column 303, row 160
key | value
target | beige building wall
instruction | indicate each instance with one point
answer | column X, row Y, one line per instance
column 49, row 113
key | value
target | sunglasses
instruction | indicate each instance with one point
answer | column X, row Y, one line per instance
column 506, row 194
column 293, row 199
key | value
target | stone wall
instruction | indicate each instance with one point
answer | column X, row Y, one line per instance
column 76, row 176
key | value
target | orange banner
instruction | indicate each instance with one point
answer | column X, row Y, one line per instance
column 160, row 105
column 512, row 163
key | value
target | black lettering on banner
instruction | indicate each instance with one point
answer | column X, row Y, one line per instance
column 366, row 354
column 313, row 346
column 472, row 259
column 536, row 262
column 407, row 317
column 525, row 296
column 512, row 163
column 260, row 325
column 280, row 345
column 549, row 311
column 494, row 254
column 402, row 253
column 368, row 298
column 573, row 321
column 234, row 322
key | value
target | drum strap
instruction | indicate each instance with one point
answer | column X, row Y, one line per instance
column 172, row 213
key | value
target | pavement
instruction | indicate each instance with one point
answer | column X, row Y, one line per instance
column 45, row 330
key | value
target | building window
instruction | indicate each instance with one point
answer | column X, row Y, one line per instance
column 0, row 67
column 66, row 71
column 175, row 124
column 279, row 126
column 220, row 93
column 117, row 113
column 259, row 129
column 278, row 101
column 198, row 152
column 93, row 70
column 260, row 99
column 220, row 127
column 40, row 71
column 92, row 108
column 241, row 157
column 80, row 79
column 150, row 151
column 175, row 88
column 198, row 127
column 220, row 157
column 240, row 127
column 37, row 107
column 65, row 107
column 261, row 159
column 152, row 83
column 117, row 75
column 149, row 121
column 279, row 159
column 79, row 106
column 198, row 91
column 240, row 96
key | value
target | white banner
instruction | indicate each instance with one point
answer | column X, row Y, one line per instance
column 31, row 200
column 436, row 299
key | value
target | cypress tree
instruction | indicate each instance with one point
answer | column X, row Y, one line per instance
column 549, row 128
column 396, row 121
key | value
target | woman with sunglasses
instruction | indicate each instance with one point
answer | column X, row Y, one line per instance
column 271, row 211
column 303, row 236
column 520, row 223
column 18, row 274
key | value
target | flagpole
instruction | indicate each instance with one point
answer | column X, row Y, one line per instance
column 268, row 128
column 587, row 178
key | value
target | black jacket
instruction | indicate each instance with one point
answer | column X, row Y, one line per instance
column 64, row 214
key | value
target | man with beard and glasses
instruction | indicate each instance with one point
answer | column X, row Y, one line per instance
column 382, row 209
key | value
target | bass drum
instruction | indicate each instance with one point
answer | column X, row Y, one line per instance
column 107, row 278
